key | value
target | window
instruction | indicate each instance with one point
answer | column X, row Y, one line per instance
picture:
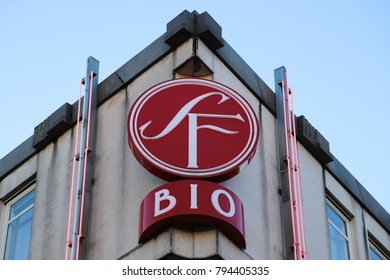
column 375, row 252
column 338, row 230
column 19, row 226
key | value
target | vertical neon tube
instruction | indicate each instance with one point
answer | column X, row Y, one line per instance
column 293, row 179
column 86, row 153
column 75, row 159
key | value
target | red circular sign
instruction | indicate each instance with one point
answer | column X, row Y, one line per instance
column 192, row 128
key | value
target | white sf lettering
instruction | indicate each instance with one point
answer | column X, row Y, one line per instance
column 193, row 125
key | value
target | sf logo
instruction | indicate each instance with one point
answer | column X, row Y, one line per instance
column 192, row 128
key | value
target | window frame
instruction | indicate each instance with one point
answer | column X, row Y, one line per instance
column 347, row 221
column 373, row 245
column 5, row 218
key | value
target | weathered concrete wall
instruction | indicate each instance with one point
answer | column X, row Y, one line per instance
column 53, row 182
column 314, row 206
column 50, row 169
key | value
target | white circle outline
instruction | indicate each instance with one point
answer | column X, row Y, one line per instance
column 234, row 163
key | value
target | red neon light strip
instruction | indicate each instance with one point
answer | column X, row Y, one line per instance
column 303, row 245
column 293, row 173
column 295, row 202
column 287, row 132
column 86, row 153
column 75, row 158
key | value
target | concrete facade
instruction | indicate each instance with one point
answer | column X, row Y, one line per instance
column 120, row 182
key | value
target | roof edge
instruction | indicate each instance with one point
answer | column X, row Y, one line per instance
column 17, row 157
column 359, row 193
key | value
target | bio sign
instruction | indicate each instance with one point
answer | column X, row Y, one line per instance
column 192, row 201
column 192, row 129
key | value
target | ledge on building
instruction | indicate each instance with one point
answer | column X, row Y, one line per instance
column 312, row 140
column 52, row 127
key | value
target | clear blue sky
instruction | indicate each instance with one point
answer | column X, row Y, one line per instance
column 337, row 54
